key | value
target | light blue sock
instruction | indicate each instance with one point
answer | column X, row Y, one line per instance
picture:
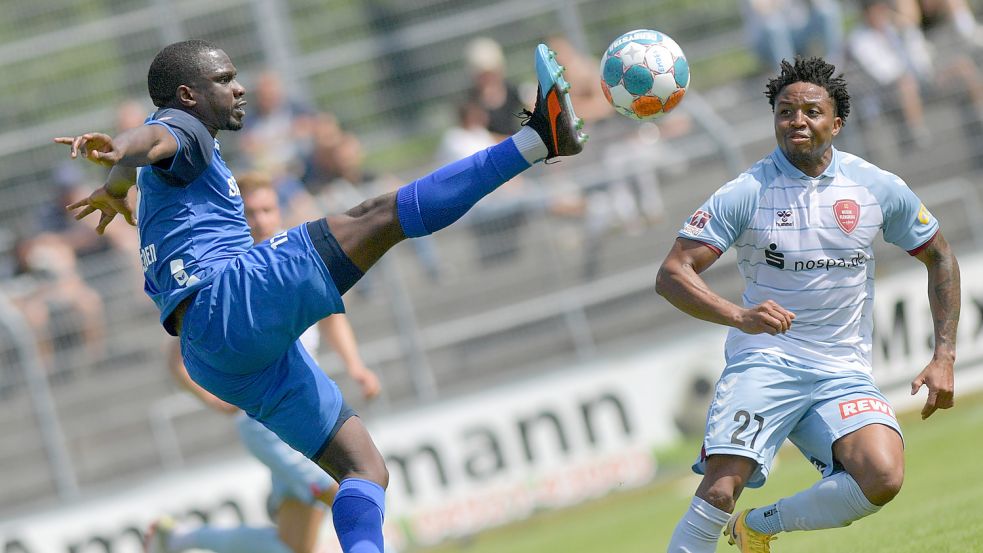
column 239, row 539
column 833, row 502
column 358, row 511
column 766, row 520
column 699, row 529
column 433, row 202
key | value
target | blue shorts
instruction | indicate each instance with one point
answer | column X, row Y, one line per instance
column 291, row 474
column 239, row 336
column 762, row 399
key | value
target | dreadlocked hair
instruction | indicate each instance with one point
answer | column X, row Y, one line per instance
column 177, row 64
column 816, row 71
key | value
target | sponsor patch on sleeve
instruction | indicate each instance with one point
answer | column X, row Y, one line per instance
column 697, row 222
column 865, row 405
column 924, row 215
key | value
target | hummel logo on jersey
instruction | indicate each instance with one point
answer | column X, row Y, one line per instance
column 774, row 258
column 783, row 218
column 697, row 222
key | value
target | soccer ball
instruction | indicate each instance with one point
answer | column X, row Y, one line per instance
column 644, row 74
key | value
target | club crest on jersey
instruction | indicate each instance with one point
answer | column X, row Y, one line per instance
column 697, row 222
column 783, row 218
column 847, row 213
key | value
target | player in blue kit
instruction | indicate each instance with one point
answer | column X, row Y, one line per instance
column 239, row 309
column 798, row 356
column 300, row 491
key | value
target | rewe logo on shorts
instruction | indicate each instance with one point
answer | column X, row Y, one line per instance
column 864, row 405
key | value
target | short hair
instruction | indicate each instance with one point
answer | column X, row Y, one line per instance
column 816, row 71
column 253, row 181
column 177, row 64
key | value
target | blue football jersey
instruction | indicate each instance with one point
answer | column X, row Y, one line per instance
column 190, row 214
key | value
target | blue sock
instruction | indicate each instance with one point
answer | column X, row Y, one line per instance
column 358, row 510
column 429, row 204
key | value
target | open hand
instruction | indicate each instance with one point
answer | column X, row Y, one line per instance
column 107, row 204
column 937, row 376
column 94, row 146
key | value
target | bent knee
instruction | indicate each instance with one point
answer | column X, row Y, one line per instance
column 881, row 486
column 375, row 471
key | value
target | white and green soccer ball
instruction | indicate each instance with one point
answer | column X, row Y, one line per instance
column 644, row 74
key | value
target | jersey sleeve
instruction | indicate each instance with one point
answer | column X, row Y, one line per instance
column 907, row 222
column 725, row 215
column 195, row 146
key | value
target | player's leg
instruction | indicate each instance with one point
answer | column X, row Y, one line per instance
column 442, row 197
column 746, row 424
column 358, row 510
column 725, row 476
column 301, row 490
column 165, row 536
column 298, row 524
column 855, row 427
column 874, row 457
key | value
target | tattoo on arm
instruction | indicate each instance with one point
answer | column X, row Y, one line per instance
column 944, row 293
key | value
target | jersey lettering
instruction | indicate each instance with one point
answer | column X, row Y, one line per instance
column 148, row 256
column 233, row 187
column 278, row 239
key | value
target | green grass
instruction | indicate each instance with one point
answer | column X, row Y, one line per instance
column 937, row 510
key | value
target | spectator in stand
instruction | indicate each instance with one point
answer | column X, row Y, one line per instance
column 891, row 49
column 131, row 114
column 943, row 20
column 497, row 223
column 490, row 89
column 583, row 74
column 892, row 53
column 337, row 177
column 60, row 308
column 277, row 128
column 782, row 29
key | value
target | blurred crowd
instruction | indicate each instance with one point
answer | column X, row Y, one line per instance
column 897, row 54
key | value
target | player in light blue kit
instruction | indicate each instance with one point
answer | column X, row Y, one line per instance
column 239, row 309
column 798, row 356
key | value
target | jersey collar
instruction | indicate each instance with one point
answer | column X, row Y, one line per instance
column 793, row 172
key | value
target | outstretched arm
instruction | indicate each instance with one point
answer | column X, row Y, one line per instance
column 135, row 147
column 943, row 298
column 337, row 330
column 130, row 149
column 679, row 282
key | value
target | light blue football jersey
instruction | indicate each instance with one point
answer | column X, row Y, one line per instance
column 190, row 214
column 806, row 243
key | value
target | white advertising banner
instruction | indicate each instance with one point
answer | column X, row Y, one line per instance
column 498, row 455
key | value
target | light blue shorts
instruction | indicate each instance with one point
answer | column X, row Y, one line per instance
column 762, row 399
